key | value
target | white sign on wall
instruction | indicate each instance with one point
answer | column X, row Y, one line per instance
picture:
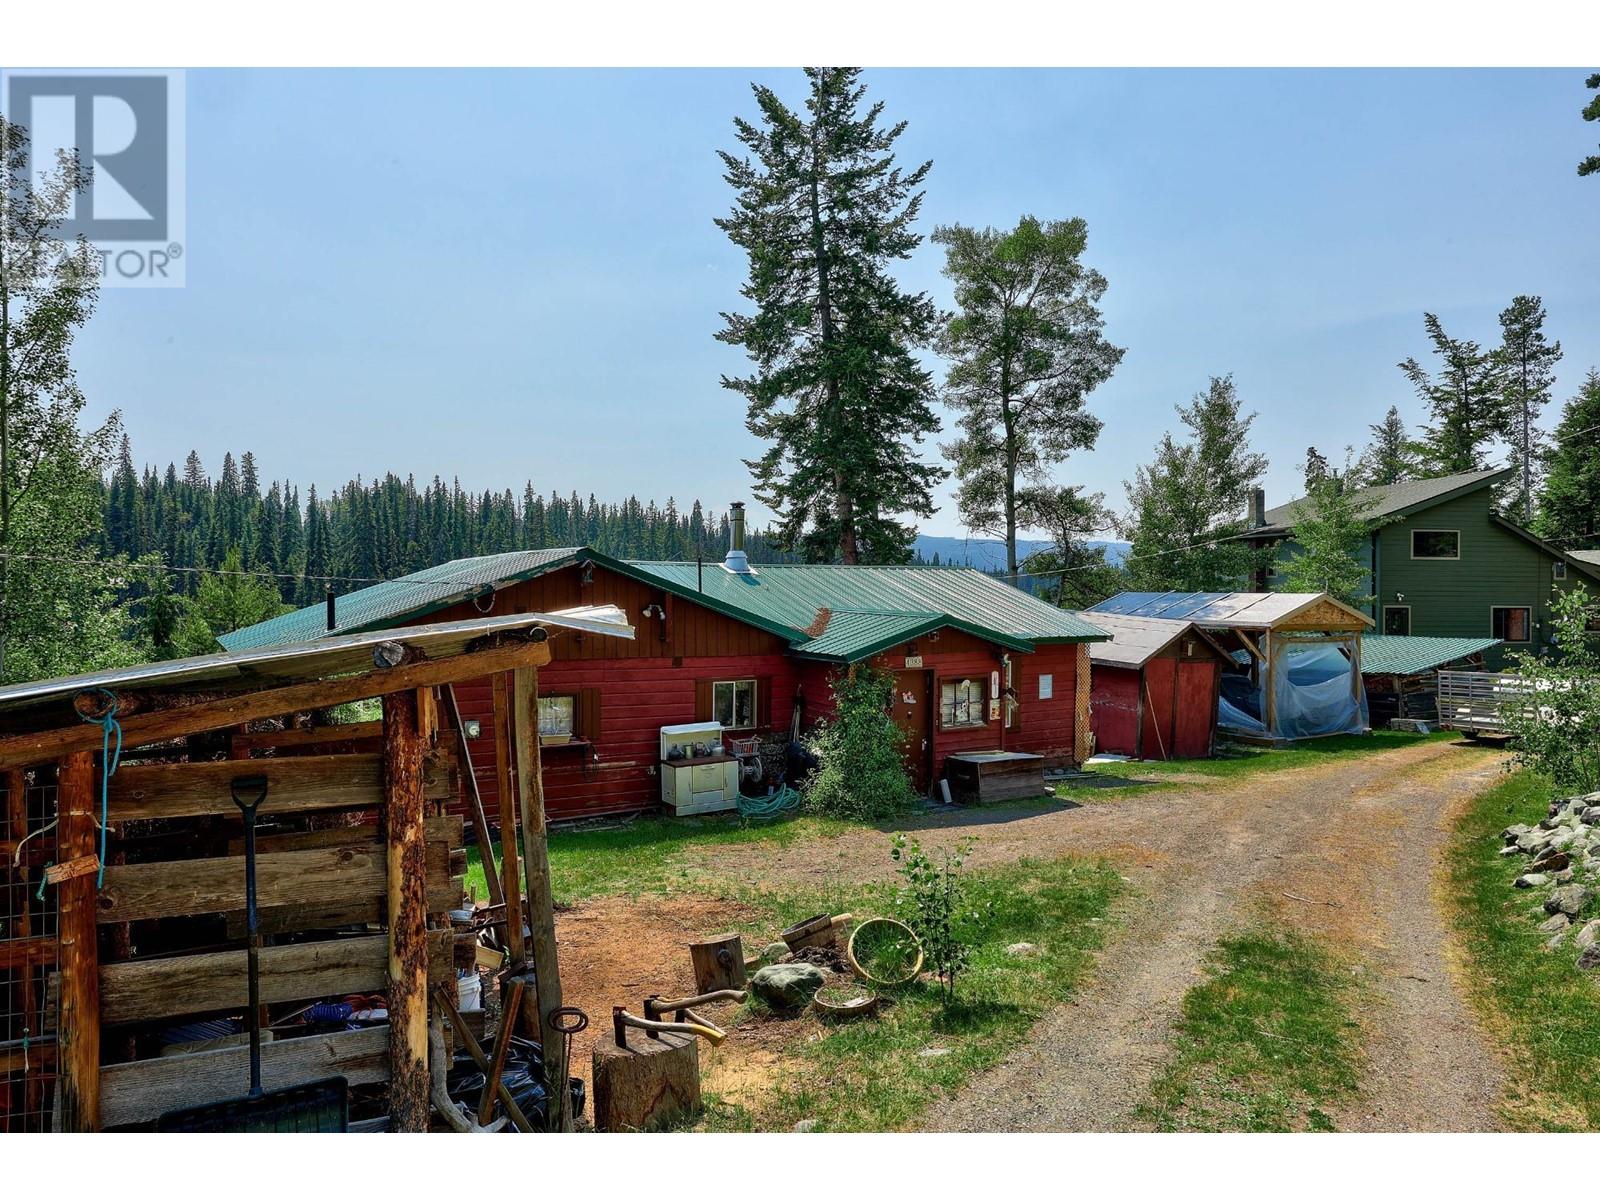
column 1047, row 686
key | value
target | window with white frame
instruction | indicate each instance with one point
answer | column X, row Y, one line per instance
column 733, row 702
column 1511, row 624
column 963, row 703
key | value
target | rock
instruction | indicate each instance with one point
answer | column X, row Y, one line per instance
column 1552, row 860
column 933, row 1052
column 1588, row 936
column 1569, row 899
column 1555, row 924
column 1589, row 959
column 1532, row 880
column 1532, row 842
column 1555, row 942
column 1590, row 815
column 1512, row 832
column 1561, row 839
column 806, row 1126
column 1022, row 950
column 1509, row 851
column 787, row 985
column 773, row 951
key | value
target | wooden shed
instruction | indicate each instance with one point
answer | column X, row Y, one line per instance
column 1294, row 658
column 1153, row 688
column 122, row 943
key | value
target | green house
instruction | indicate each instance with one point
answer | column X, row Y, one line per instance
column 1443, row 563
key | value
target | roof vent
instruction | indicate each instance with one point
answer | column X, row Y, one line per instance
column 736, row 560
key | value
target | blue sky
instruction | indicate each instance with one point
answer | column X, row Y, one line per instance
column 511, row 275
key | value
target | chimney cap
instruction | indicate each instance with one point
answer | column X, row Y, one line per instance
column 736, row 560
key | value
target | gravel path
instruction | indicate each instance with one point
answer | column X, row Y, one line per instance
column 1347, row 851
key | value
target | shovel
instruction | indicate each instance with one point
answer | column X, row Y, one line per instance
column 322, row 1106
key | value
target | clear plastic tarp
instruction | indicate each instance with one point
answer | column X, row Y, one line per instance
column 1316, row 694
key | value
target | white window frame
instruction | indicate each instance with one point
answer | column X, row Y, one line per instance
column 980, row 706
column 1527, row 608
column 1558, row 570
column 733, row 701
column 1383, row 628
column 1456, row 557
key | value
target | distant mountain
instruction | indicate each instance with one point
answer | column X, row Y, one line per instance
column 989, row 554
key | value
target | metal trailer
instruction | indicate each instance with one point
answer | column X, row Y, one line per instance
column 1475, row 702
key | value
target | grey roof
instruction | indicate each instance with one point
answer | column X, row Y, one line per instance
column 1134, row 640
column 1218, row 610
column 1393, row 499
column 318, row 659
column 1591, row 557
column 1390, row 654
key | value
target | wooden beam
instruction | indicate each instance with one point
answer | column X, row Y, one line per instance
column 141, row 1091
column 150, row 989
column 510, row 881
column 180, row 721
column 353, row 875
column 155, row 791
column 318, row 736
column 78, row 1088
column 408, row 913
column 541, row 900
column 480, row 819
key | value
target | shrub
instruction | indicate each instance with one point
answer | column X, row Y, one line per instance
column 859, row 772
column 1555, row 725
column 933, row 901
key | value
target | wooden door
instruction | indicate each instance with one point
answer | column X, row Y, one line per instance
column 1197, row 707
column 1160, row 681
column 913, row 713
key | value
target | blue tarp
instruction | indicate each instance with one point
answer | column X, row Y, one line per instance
column 1314, row 697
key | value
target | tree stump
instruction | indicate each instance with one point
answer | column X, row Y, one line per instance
column 718, row 963
column 647, row 1084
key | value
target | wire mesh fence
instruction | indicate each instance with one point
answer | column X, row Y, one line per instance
column 28, row 951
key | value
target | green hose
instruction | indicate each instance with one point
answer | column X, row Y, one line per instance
column 765, row 808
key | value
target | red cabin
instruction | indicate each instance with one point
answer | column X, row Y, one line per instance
column 1154, row 688
column 980, row 665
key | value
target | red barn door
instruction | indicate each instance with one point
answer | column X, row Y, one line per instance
column 1114, row 710
column 1160, row 676
column 1197, row 708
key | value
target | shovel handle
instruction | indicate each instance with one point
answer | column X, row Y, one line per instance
column 248, row 793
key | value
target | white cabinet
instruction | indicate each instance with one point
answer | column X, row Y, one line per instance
column 703, row 778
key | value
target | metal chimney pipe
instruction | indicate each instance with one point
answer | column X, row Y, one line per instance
column 332, row 621
column 736, row 560
column 1258, row 508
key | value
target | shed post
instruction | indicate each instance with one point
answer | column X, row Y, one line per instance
column 510, row 881
column 78, row 1034
column 405, row 859
column 541, row 904
column 1083, row 732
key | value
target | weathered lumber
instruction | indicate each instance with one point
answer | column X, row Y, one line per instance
column 511, row 881
column 317, row 735
column 435, row 829
column 148, row 989
column 163, row 724
column 136, row 1092
column 480, row 819
column 27, row 952
column 353, row 874
column 646, row 1084
column 147, row 791
column 718, row 963
column 541, row 899
column 78, row 1088
column 406, row 865
column 502, row 1044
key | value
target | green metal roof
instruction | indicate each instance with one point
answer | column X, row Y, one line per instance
column 793, row 595
column 1394, row 499
column 867, row 604
column 1387, row 654
column 387, row 603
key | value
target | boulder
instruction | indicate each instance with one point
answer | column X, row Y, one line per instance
column 1552, row 860
column 773, row 951
column 1509, row 852
column 787, row 985
column 1588, row 936
column 1555, row 924
column 1569, row 899
column 1531, row 880
column 1512, row 832
column 1591, row 815
column 1532, row 841
column 1589, row 959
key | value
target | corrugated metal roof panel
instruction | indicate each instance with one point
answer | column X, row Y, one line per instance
column 850, row 636
column 792, row 595
column 1134, row 640
column 1587, row 556
column 1387, row 654
column 382, row 604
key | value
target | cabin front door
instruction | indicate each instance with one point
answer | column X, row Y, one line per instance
column 913, row 713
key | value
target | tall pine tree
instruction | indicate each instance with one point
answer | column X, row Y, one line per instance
column 1527, row 364
column 1569, row 497
column 838, row 392
column 1391, row 456
column 1464, row 398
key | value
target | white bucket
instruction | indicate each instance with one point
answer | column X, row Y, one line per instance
column 469, row 991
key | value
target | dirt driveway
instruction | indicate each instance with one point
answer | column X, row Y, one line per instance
column 1346, row 851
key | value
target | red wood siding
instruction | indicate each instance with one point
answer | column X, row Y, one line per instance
column 1114, row 710
column 1167, row 710
column 1197, row 707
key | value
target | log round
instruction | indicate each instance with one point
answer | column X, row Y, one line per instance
column 718, row 963
column 650, row 1083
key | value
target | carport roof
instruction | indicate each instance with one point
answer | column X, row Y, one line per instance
column 1389, row 654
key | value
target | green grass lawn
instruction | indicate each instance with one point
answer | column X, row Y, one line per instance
column 873, row 1074
column 1263, row 1044
column 1235, row 760
column 1547, row 1014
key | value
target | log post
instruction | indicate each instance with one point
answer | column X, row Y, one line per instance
column 648, row 1083
column 78, row 1034
column 718, row 963
column 541, row 900
column 407, row 867
column 510, row 881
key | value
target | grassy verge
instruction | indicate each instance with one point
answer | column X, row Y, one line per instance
column 1264, row 1043
column 878, row 1073
column 644, row 855
column 1547, row 1014
column 1235, row 760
